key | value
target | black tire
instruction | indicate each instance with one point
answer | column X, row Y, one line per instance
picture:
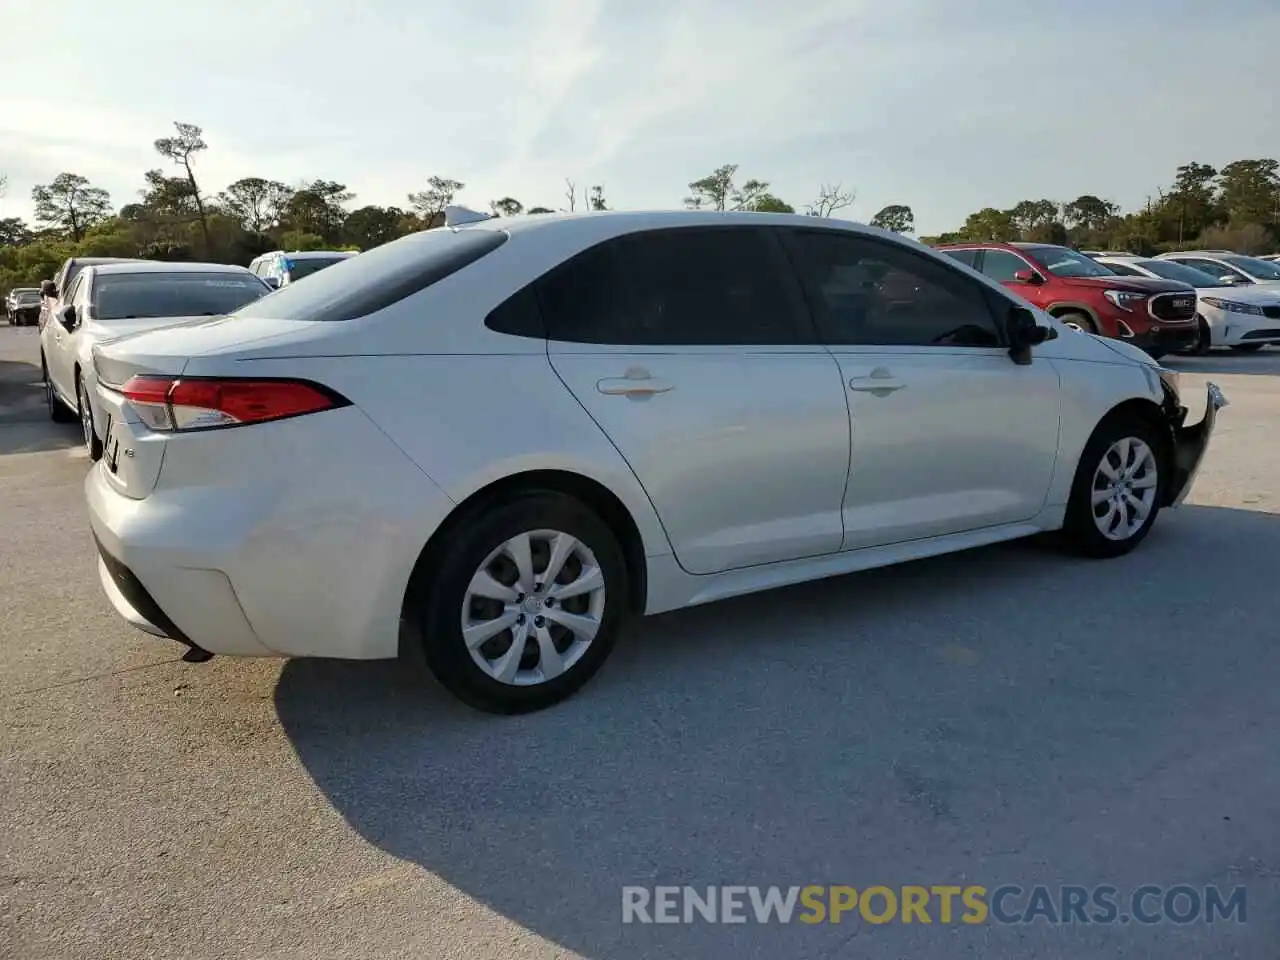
column 1080, row 532
column 58, row 411
column 1081, row 320
column 436, row 604
column 92, row 445
column 1204, row 340
column 1248, row 347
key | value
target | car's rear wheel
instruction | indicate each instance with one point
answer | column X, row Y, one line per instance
column 1247, row 347
column 526, row 602
column 92, row 445
column 1117, row 490
column 1078, row 321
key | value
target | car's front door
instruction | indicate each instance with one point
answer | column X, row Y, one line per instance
column 1004, row 267
column 60, row 358
column 692, row 351
column 949, row 434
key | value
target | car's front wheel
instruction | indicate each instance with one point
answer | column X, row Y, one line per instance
column 1117, row 490
column 525, row 603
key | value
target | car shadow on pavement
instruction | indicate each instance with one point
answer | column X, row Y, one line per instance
column 24, row 417
column 1005, row 715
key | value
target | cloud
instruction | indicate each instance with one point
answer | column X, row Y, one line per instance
column 948, row 107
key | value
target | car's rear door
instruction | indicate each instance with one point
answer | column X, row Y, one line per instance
column 949, row 434
column 692, row 350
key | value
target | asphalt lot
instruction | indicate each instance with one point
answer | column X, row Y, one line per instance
column 1005, row 716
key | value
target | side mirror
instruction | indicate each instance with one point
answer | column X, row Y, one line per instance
column 67, row 317
column 48, row 288
column 1024, row 333
column 1028, row 276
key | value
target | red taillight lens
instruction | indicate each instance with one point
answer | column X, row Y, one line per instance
column 177, row 403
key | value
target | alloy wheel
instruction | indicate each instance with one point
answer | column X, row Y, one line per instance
column 533, row 607
column 86, row 417
column 1124, row 488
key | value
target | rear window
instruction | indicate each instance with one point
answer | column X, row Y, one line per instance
column 374, row 280
column 305, row 266
column 129, row 296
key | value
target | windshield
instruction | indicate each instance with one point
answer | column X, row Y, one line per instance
column 304, row 268
column 1063, row 262
column 130, row 296
column 1181, row 272
column 1255, row 267
column 27, row 296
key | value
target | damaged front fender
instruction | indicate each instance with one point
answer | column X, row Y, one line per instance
column 1189, row 442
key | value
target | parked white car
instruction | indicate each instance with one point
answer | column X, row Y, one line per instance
column 1233, row 268
column 111, row 300
column 488, row 445
column 1244, row 318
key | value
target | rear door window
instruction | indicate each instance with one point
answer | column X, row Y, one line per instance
column 682, row 286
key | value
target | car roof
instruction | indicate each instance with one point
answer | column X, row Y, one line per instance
column 1211, row 254
column 116, row 268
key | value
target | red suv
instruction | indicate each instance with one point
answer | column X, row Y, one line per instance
column 1157, row 315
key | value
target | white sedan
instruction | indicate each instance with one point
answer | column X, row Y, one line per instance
column 1244, row 318
column 489, row 445
column 111, row 300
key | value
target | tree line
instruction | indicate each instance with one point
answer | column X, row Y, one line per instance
column 177, row 217
column 1236, row 208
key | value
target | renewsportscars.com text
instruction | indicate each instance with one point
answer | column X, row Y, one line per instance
column 973, row 904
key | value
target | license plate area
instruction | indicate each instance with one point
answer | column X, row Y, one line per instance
column 111, row 449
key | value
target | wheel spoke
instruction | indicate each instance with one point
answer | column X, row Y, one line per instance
column 477, row 633
column 1106, row 469
column 549, row 658
column 561, row 548
column 583, row 627
column 484, row 585
column 521, row 552
column 1107, row 520
column 591, row 579
column 1144, row 482
column 1123, row 451
column 508, row 664
column 1101, row 496
column 1122, row 514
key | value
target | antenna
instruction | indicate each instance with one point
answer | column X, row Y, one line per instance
column 455, row 216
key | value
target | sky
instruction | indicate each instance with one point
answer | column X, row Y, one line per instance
column 944, row 105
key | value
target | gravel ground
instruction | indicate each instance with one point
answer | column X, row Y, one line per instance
column 1005, row 716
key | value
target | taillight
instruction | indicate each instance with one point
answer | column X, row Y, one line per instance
column 202, row 403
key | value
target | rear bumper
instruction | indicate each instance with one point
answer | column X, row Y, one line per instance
column 300, row 545
column 1190, row 444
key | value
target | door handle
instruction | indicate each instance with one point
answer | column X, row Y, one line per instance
column 624, row 387
column 880, row 383
column 636, row 384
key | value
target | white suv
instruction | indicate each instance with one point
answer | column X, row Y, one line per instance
column 280, row 268
column 487, row 446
